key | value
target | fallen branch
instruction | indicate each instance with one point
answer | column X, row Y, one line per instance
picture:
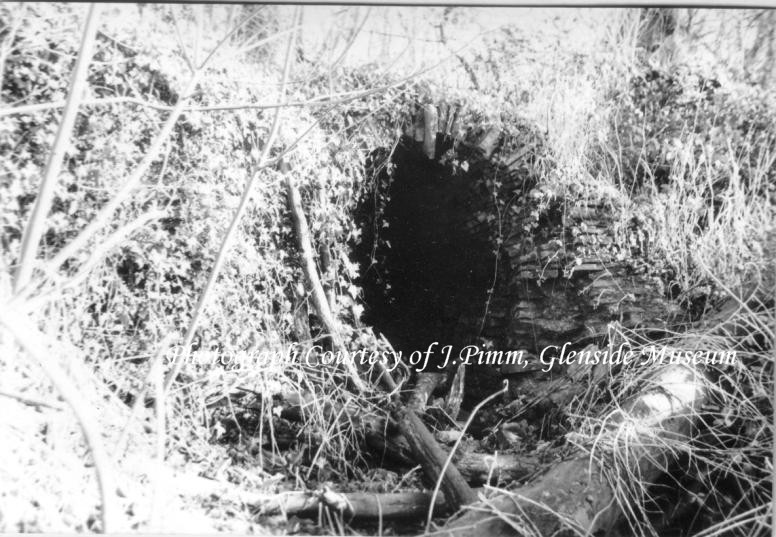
column 477, row 468
column 454, row 449
column 360, row 505
column 576, row 493
column 432, row 458
column 422, row 444
column 317, row 294
column 454, row 399
column 354, row 505
column 384, row 439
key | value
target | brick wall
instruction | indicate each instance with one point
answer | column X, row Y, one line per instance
column 561, row 273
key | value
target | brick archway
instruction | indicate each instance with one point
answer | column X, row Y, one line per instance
column 470, row 250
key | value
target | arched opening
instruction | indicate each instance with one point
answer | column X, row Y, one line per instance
column 426, row 268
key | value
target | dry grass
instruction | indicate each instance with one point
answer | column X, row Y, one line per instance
column 726, row 467
column 709, row 225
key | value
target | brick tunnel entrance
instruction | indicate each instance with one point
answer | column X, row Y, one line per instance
column 466, row 247
column 425, row 273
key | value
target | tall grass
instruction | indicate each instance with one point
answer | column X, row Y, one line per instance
column 696, row 177
column 109, row 308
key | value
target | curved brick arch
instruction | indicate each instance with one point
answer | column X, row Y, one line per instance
column 550, row 270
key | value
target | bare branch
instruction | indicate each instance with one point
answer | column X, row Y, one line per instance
column 323, row 100
column 31, row 401
column 262, row 42
column 150, row 157
column 152, row 378
column 351, row 40
column 181, row 42
column 34, row 229
column 129, row 185
column 320, row 301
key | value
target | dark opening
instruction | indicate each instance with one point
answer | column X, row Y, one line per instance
column 425, row 273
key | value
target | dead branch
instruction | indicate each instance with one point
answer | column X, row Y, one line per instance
column 453, row 450
column 383, row 438
column 354, row 505
column 317, row 294
column 576, row 493
column 95, row 257
column 454, row 398
column 154, row 370
column 327, row 100
column 326, row 264
column 433, row 459
column 31, row 401
column 489, row 140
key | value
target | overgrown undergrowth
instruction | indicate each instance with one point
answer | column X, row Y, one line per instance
column 686, row 163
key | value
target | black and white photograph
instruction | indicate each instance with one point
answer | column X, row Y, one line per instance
column 387, row 270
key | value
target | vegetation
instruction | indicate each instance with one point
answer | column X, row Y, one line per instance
column 144, row 209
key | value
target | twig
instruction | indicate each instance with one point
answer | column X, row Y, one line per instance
column 455, row 448
column 34, row 228
column 123, row 47
column 31, row 401
column 156, row 366
column 26, row 302
column 181, row 43
column 197, row 32
column 322, row 100
column 129, row 184
column 158, row 376
column 10, row 38
column 262, row 42
column 111, row 242
column 351, row 40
